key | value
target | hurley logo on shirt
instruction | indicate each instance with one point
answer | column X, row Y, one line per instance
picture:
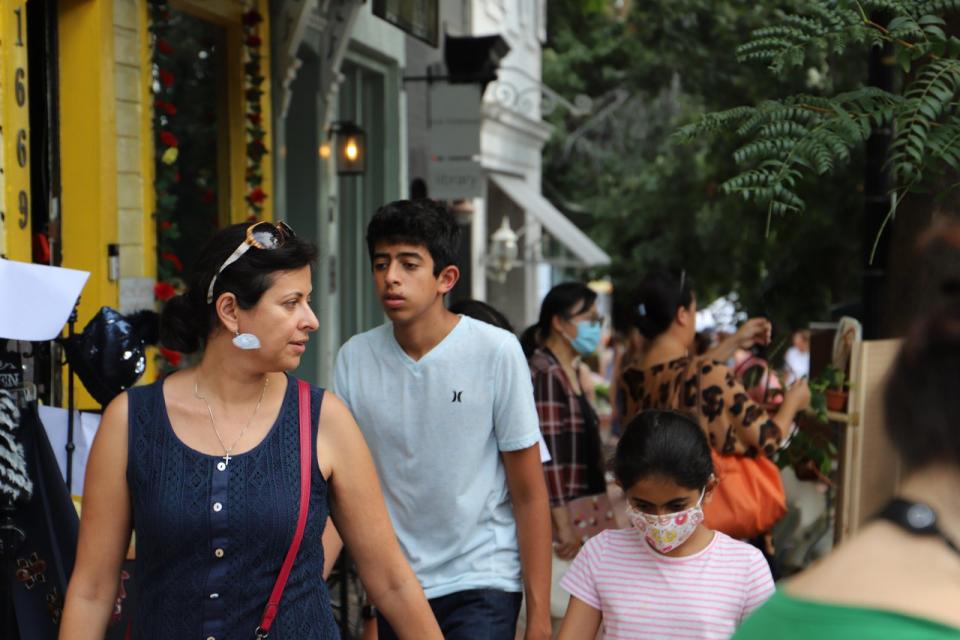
column 457, row 396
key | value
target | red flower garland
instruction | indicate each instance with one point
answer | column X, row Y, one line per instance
column 173, row 357
column 257, row 195
column 173, row 260
column 168, row 139
column 163, row 291
column 167, row 107
column 256, row 135
column 169, row 264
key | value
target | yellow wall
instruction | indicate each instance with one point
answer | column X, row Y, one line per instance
column 15, row 119
column 88, row 152
column 107, row 154
column 134, row 140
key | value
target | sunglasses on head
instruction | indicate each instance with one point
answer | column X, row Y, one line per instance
column 260, row 235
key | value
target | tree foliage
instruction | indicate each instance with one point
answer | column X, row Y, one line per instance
column 796, row 138
column 651, row 199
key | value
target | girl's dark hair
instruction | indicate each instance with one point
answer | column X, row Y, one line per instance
column 482, row 311
column 420, row 222
column 658, row 297
column 663, row 443
column 566, row 300
column 187, row 320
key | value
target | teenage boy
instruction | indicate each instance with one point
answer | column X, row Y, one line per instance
column 446, row 405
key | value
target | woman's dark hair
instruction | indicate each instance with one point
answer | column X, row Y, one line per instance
column 658, row 297
column 663, row 443
column 920, row 397
column 565, row 300
column 420, row 222
column 921, row 400
column 938, row 258
column 482, row 311
column 187, row 320
column 623, row 314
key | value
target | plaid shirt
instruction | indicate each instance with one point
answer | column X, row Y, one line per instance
column 564, row 430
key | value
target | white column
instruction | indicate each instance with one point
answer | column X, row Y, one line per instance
column 479, row 234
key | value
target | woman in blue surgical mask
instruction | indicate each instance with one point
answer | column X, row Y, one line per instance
column 569, row 328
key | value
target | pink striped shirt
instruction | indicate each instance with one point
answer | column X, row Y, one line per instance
column 643, row 594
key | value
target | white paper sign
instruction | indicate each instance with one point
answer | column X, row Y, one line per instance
column 36, row 300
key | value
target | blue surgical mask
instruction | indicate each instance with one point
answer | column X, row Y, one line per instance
column 588, row 337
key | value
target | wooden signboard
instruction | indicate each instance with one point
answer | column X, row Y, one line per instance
column 870, row 471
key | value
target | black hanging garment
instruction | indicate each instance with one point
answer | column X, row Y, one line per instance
column 36, row 566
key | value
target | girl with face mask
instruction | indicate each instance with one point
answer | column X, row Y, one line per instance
column 667, row 575
column 569, row 327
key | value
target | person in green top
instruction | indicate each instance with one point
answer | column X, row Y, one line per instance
column 900, row 577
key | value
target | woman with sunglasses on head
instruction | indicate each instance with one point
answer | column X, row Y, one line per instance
column 568, row 328
column 205, row 466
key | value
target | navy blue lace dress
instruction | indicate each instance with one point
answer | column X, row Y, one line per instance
column 211, row 537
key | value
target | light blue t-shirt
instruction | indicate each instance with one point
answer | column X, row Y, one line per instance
column 436, row 428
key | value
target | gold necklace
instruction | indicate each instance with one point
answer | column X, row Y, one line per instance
column 213, row 423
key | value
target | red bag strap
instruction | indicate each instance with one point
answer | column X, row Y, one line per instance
column 273, row 604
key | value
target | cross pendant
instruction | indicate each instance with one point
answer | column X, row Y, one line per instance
column 226, row 459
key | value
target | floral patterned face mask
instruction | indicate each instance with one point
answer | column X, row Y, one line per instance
column 667, row 532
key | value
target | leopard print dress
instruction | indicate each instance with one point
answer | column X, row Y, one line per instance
column 708, row 391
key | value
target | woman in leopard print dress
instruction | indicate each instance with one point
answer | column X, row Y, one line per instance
column 668, row 377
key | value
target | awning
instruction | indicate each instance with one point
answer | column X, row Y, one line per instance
column 554, row 222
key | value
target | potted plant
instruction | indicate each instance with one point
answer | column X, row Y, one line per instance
column 829, row 392
column 812, row 452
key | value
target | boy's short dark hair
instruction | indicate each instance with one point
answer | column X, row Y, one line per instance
column 417, row 222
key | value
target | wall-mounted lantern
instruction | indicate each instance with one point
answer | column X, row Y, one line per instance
column 350, row 142
column 503, row 252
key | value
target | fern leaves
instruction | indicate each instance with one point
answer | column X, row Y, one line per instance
column 831, row 26
column 929, row 98
column 789, row 140
column 937, row 6
column 826, row 27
